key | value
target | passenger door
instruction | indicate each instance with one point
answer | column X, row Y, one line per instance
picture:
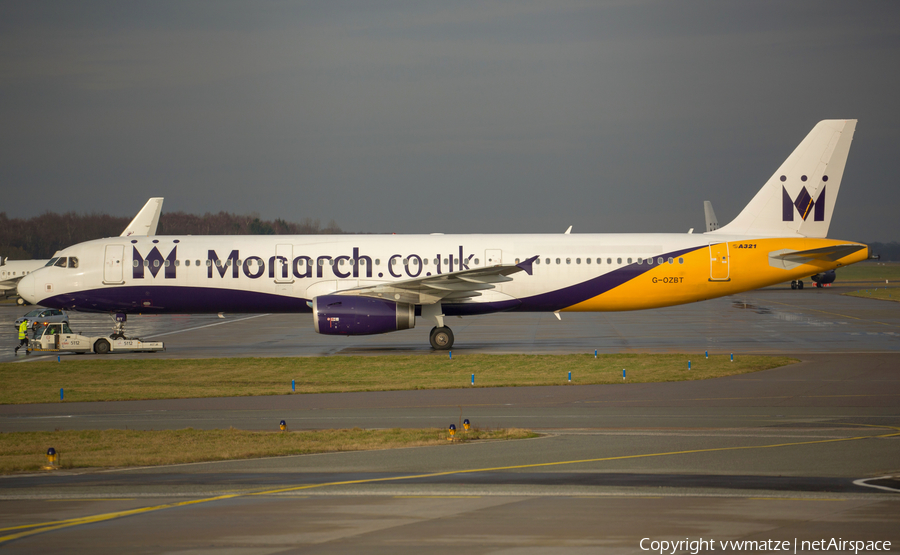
column 719, row 265
column 112, row 267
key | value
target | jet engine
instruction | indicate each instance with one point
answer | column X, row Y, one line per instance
column 349, row 315
column 823, row 278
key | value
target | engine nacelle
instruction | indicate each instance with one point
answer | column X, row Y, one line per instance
column 824, row 278
column 350, row 315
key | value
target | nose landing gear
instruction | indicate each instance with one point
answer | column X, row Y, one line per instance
column 119, row 329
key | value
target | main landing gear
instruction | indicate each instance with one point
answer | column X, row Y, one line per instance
column 441, row 338
column 797, row 284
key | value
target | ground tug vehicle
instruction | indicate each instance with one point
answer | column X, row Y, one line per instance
column 59, row 338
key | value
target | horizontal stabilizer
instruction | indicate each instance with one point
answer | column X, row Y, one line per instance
column 790, row 259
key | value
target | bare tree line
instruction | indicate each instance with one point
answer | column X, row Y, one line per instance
column 41, row 236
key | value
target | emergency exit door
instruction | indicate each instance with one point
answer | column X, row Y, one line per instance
column 282, row 268
column 719, row 263
column 493, row 257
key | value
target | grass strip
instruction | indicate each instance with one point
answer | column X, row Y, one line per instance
column 869, row 271
column 880, row 293
column 146, row 378
column 26, row 451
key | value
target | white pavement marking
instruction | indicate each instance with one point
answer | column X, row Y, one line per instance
column 206, row 326
column 862, row 482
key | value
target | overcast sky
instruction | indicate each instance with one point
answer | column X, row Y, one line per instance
column 444, row 117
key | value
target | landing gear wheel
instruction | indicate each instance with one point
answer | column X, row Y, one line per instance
column 794, row 284
column 101, row 347
column 799, row 284
column 441, row 339
column 819, row 285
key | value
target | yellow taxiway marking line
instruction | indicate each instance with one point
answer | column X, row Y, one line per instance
column 91, row 499
column 41, row 527
column 437, row 497
column 792, row 499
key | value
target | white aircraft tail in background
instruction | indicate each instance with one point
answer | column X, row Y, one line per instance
column 146, row 221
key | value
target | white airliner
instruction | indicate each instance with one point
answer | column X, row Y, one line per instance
column 11, row 271
column 370, row 284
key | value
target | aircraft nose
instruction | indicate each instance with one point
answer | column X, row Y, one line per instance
column 25, row 288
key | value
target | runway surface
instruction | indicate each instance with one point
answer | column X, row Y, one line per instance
column 809, row 451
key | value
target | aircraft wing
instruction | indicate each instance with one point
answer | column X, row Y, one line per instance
column 146, row 221
column 455, row 286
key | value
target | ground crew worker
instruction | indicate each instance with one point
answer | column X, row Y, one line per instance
column 23, row 337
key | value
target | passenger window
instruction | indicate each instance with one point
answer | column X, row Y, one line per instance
column 577, row 261
column 362, row 261
column 378, row 262
column 609, row 260
column 680, row 260
column 640, row 261
column 557, row 260
column 671, row 260
column 537, row 260
column 445, row 262
column 659, row 260
column 650, row 262
column 548, row 261
column 342, row 262
column 134, row 263
column 208, row 263
column 587, row 260
column 476, row 262
column 629, row 261
column 198, row 263
column 568, row 261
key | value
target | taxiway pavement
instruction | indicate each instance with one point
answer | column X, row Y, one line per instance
column 808, row 451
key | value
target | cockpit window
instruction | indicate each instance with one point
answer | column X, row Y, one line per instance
column 73, row 262
column 51, row 262
column 61, row 262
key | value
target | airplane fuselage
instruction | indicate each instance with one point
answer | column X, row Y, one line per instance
column 575, row 272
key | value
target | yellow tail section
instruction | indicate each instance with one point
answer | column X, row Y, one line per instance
column 720, row 269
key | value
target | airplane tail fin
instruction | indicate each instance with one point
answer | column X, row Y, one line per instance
column 798, row 200
column 146, row 221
